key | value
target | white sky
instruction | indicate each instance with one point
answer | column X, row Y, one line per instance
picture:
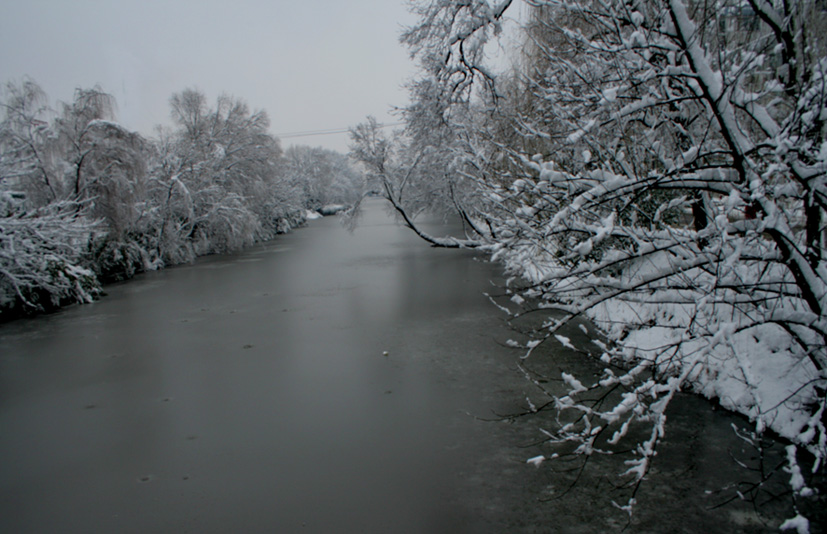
column 311, row 64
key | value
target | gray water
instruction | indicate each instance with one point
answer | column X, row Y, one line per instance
column 323, row 382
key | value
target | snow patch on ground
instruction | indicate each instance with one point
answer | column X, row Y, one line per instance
column 755, row 372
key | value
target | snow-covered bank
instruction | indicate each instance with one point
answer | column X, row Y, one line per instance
column 694, row 332
column 333, row 209
column 47, row 263
column 752, row 367
column 85, row 201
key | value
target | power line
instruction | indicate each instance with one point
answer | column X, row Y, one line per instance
column 313, row 132
column 331, row 131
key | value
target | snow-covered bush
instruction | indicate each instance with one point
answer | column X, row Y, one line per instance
column 42, row 265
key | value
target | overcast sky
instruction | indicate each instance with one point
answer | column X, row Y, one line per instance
column 311, row 64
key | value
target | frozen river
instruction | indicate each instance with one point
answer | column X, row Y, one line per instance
column 321, row 382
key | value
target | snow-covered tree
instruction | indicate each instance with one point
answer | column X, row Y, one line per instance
column 413, row 181
column 660, row 167
column 104, row 168
column 325, row 177
column 433, row 165
column 103, row 161
column 28, row 163
column 216, row 185
column 311, row 170
column 44, row 236
column 348, row 184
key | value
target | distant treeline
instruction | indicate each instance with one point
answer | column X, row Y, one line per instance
column 83, row 200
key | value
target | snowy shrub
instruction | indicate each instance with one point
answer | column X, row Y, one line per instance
column 118, row 260
column 42, row 260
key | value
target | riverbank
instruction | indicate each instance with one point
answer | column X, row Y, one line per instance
column 105, row 262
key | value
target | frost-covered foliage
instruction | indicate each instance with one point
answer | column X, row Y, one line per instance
column 215, row 185
column 661, row 168
column 433, row 165
column 102, row 163
column 55, row 184
column 323, row 176
column 41, row 256
column 84, row 199
column 416, row 177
